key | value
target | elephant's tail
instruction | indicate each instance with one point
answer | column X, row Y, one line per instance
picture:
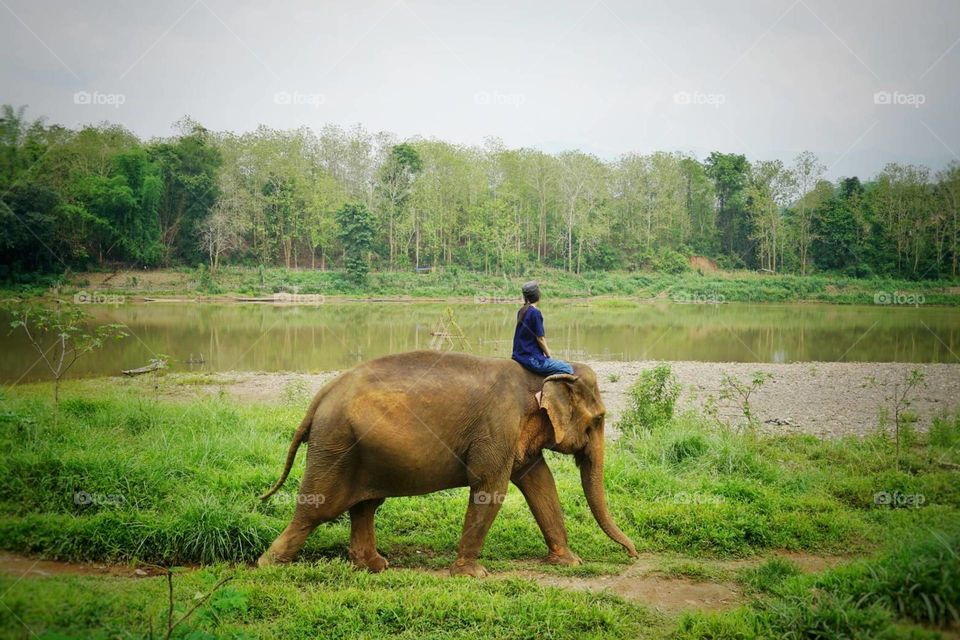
column 302, row 432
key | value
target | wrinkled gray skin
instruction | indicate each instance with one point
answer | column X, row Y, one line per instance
column 419, row 422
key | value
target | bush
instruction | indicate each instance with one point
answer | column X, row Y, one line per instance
column 652, row 399
column 670, row 261
column 945, row 432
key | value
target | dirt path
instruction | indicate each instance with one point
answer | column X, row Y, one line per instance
column 826, row 399
column 645, row 581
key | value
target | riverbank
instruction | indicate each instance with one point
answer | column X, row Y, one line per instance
column 307, row 286
column 823, row 399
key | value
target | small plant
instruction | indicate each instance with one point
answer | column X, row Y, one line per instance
column 200, row 600
column 904, row 420
column 613, row 377
column 734, row 390
column 66, row 325
column 652, row 399
column 205, row 280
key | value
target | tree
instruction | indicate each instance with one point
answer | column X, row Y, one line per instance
column 948, row 189
column 394, row 184
column 770, row 189
column 357, row 228
column 582, row 189
column 66, row 325
column 188, row 165
column 807, row 171
column 730, row 174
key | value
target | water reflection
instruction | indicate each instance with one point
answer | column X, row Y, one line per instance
column 272, row 338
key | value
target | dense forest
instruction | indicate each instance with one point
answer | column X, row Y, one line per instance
column 101, row 196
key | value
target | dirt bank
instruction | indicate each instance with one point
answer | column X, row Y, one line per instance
column 827, row 399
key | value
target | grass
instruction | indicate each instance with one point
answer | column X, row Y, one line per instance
column 452, row 282
column 120, row 476
column 327, row 599
column 917, row 583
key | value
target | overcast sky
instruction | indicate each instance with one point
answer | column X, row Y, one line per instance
column 767, row 79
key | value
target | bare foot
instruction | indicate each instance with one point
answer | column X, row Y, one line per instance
column 464, row 567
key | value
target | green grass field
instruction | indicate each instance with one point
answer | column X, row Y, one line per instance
column 738, row 286
column 120, row 476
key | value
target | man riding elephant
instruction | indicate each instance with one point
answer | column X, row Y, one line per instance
column 415, row 423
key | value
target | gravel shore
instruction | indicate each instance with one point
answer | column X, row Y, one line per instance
column 825, row 399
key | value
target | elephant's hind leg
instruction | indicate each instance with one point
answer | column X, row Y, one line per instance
column 363, row 539
column 306, row 518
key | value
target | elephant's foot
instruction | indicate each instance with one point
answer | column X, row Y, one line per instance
column 563, row 557
column 465, row 567
column 372, row 562
column 268, row 559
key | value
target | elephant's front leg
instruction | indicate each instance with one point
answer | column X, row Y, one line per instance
column 485, row 501
column 538, row 487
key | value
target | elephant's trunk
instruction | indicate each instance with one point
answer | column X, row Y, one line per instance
column 591, row 475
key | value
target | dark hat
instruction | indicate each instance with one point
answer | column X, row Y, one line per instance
column 530, row 287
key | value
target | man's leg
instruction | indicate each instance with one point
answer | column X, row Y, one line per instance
column 551, row 366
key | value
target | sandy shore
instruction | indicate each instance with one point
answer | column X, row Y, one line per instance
column 826, row 399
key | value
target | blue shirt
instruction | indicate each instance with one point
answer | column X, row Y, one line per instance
column 525, row 337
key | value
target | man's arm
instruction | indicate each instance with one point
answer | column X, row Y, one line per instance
column 542, row 341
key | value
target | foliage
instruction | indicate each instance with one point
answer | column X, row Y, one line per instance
column 97, row 196
column 918, row 581
column 357, row 227
column 652, row 399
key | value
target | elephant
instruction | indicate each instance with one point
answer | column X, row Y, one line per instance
column 414, row 423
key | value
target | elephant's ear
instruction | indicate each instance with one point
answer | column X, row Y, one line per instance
column 557, row 399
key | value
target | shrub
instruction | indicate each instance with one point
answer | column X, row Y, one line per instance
column 652, row 399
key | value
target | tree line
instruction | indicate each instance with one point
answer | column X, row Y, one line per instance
column 313, row 199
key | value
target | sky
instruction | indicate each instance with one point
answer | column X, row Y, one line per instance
column 858, row 83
